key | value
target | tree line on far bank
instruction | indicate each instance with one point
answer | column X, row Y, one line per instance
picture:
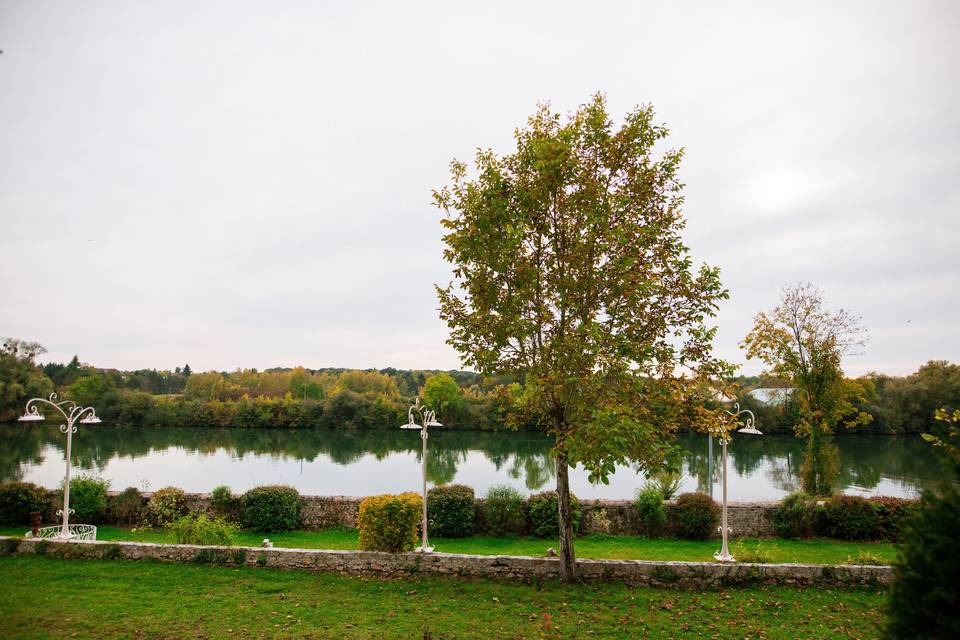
column 275, row 398
column 896, row 404
column 350, row 398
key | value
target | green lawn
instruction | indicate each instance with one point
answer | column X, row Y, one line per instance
column 52, row 598
column 592, row 546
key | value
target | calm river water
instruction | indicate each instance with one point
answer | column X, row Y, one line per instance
column 321, row 462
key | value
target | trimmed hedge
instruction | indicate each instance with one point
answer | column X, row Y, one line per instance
column 850, row 518
column 542, row 510
column 504, row 511
column 796, row 517
column 842, row 517
column 697, row 516
column 894, row 513
column 451, row 511
column 271, row 509
column 18, row 500
column 389, row 522
column 857, row 518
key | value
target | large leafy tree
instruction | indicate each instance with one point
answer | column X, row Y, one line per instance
column 571, row 275
column 803, row 342
column 20, row 378
column 908, row 404
column 442, row 394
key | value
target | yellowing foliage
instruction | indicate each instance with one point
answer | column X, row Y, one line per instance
column 389, row 522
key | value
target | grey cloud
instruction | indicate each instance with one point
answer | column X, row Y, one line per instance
column 256, row 177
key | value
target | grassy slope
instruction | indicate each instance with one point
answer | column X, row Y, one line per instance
column 593, row 546
column 51, row 598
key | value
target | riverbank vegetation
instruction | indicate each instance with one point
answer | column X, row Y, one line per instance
column 353, row 399
column 453, row 512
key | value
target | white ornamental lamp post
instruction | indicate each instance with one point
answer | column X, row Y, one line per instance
column 724, row 554
column 428, row 419
column 73, row 414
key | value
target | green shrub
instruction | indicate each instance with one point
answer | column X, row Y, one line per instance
column 651, row 514
column 271, row 509
column 842, row 517
column 225, row 504
column 18, row 500
column 389, row 523
column 851, row 518
column 166, row 505
column 127, row 506
column 451, row 511
column 504, row 511
column 795, row 516
column 866, row 558
column 697, row 516
column 759, row 552
column 925, row 590
column 88, row 498
column 892, row 513
column 544, row 519
column 197, row 528
column 666, row 481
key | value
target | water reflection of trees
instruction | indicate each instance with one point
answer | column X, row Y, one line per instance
column 864, row 460
column 20, row 446
column 524, row 456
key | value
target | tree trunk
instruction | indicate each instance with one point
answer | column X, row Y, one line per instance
column 568, row 562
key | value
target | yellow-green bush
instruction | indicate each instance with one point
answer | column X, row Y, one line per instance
column 197, row 528
column 166, row 505
column 389, row 522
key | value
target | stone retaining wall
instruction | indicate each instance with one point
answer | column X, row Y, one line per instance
column 615, row 517
column 502, row 568
column 619, row 517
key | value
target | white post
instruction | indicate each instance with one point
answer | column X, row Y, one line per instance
column 71, row 412
column 427, row 419
column 724, row 554
column 710, row 464
column 65, row 531
column 424, row 547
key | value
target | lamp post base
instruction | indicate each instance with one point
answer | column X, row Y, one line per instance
column 719, row 556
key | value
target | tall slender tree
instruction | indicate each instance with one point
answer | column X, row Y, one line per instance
column 570, row 273
column 803, row 342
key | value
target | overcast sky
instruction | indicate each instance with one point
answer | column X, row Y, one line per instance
column 244, row 184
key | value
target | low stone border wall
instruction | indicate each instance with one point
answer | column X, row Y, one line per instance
column 502, row 568
column 615, row 517
column 619, row 517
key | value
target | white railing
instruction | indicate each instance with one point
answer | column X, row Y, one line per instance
column 76, row 532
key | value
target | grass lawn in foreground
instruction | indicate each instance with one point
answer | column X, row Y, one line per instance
column 591, row 546
column 52, row 598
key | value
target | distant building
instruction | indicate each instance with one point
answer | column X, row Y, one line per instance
column 771, row 395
